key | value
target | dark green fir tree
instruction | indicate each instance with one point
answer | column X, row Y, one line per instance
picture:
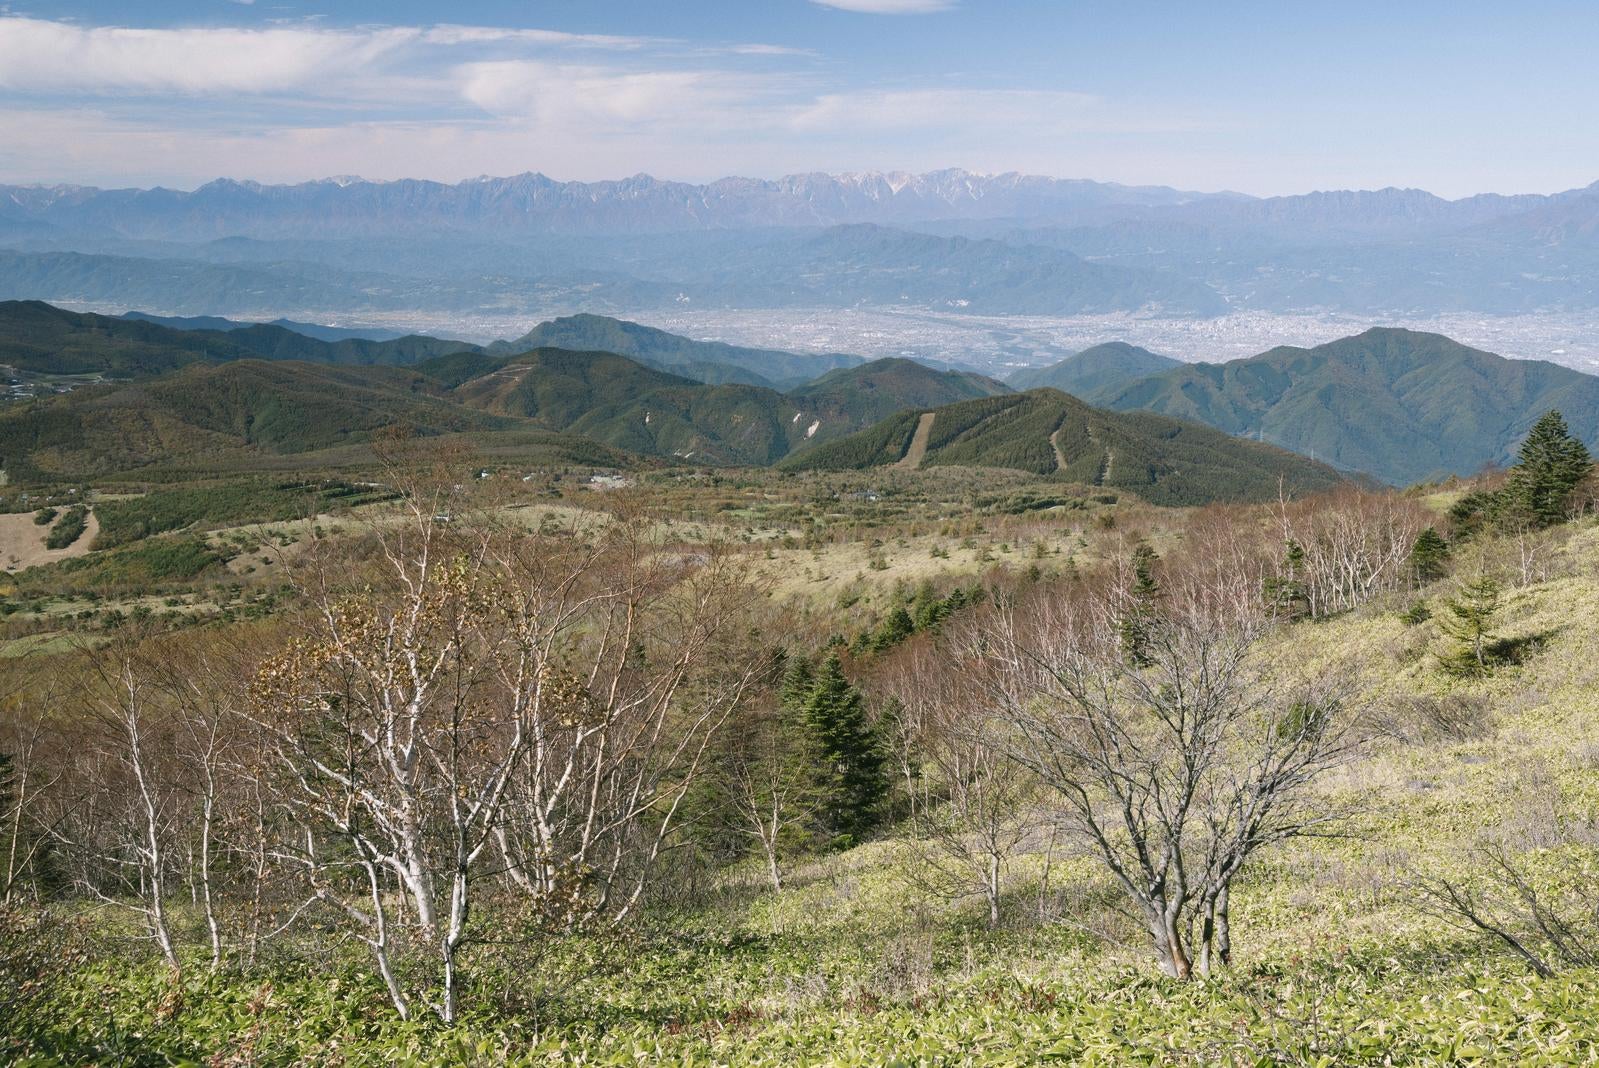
column 1551, row 465
column 846, row 758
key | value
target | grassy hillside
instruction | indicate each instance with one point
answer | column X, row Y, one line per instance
column 1399, row 405
column 1095, row 371
column 867, row 956
column 706, row 361
column 1045, row 431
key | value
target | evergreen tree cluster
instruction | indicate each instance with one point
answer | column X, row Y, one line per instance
column 927, row 611
column 1542, row 490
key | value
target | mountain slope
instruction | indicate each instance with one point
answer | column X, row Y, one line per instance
column 618, row 401
column 215, row 416
column 1104, row 367
column 706, row 361
column 621, row 402
column 215, row 322
column 1399, row 405
column 1165, row 461
column 42, row 339
column 881, row 388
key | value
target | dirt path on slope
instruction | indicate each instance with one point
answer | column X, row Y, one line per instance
column 924, row 430
column 1060, row 457
column 1106, row 460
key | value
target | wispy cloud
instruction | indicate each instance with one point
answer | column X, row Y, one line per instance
column 303, row 99
column 889, row 7
column 39, row 55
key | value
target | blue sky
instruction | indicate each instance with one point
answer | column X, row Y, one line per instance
column 1259, row 97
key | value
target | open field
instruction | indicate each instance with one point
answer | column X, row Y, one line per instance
column 22, row 541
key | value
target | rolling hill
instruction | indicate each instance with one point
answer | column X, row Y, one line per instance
column 1094, row 371
column 1165, row 461
column 216, row 322
column 43, row 339
column 704, row 361
column 221, row 416
column 1399, row 405
column 621, row 402
column 878, row 389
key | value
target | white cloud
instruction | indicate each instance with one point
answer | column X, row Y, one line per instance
column 38, row 55
column 179, row 106
column 561, row 94
column 455, row 35
column 889, row 7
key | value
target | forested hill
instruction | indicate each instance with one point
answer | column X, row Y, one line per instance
column 1044, row 431
column 1095, row 371
column 622, row 402
column 1400, row 405
column 43, row 339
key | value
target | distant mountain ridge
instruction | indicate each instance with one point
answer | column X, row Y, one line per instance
column 533, row 202
column 707, row 361
column 538, row 245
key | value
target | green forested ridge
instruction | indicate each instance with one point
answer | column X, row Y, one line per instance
column 1397, row 404
column 39, row 338
column 1400, row 405
column 1094, row 371
column 620, row 401
column 1164, row 460
column 882, row 387
column 208, row 415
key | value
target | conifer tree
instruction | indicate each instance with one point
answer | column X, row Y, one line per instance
column 1428, row 556
column 1143, row 595
column 1468, row 621
column 1286, row 593
column 895, row 628
column 799, row 678
column 1551, row 464
column 845, row 757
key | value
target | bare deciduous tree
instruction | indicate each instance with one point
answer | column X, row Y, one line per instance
column 1541, row 904
column 1176, row 771
column 492, row 703
column 971, row 802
